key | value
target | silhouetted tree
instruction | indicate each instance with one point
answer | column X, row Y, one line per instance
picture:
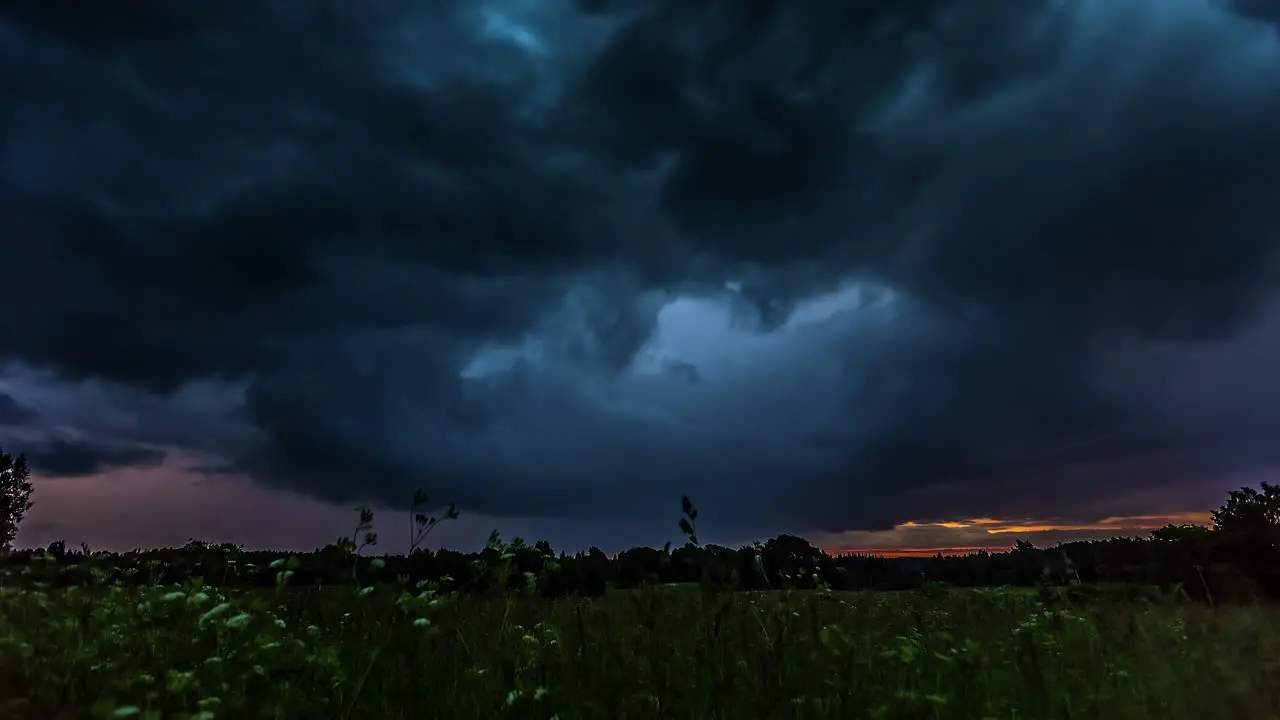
column 15, row 495
column 640, row 566
column 1249, row 526
column 1185, row 532
column 1250, row 515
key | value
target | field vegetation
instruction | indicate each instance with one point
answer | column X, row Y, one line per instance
column 1177, row 625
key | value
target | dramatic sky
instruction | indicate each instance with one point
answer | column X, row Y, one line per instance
column 885, row 273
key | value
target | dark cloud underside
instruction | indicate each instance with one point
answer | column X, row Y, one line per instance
column 14, row 413
column 67, row 458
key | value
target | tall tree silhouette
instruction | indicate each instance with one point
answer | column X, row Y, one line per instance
column 15, row 495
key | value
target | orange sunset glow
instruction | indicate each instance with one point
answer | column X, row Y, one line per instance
column 962, row 537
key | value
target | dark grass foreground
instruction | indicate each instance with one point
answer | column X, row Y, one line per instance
column 190, row 652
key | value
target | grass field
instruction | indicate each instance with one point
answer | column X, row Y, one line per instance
column 162, row 652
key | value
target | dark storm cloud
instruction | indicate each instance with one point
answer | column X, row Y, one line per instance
column 1267, row 10
column 432, row 244
column 14, row 413
column 1078, row 197
column 75, row 458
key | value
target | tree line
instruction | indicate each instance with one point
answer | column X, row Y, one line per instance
column 1236, row 559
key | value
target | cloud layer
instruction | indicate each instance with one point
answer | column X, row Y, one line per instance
column 822, row 269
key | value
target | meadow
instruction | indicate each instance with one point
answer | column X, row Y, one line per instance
column 114, row 647
column 770, row 631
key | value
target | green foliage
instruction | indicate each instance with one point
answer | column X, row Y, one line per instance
column 15, row 495
column 111, row 649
